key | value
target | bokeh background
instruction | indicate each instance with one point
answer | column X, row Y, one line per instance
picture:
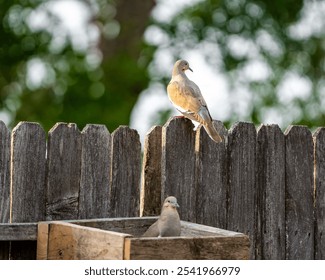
column 108, row 62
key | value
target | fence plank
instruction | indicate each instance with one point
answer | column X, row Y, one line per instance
column 319, row 151
column 126, row 162
column 4, row 173
column 178, row 165
column 270, row 179
column 4, row 184
column 95, row 172
column 299, row 193
column 28, row 158
column 151, row 173
column 211, row 189
column 64, row 161
column 242, row 193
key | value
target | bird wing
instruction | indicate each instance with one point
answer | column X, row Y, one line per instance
column 186, row 96
column 152, row 231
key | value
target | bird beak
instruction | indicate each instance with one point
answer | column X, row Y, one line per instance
column 176, row 205
column 190, row 69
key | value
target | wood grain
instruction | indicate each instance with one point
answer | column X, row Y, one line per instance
column 187, row 248
column 299, row 193
column 270, row 171
column 95, row 172
column 125, row 173
column 4, row 184
column 73, row 242
column 28, row 152
column 242, row 192
column 211, row 162
column 178, row 165
column 319, row 177
column 63, row 175
column 151, row 173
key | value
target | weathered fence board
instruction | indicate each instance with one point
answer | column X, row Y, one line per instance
column 242, row 192
column 4, row 173
column 299, row 193
column 178, row 165
column 125, row 173
column 28, row 158
column 319, row 169
column 211, row 161
column 63, row 174
column 151, row 173
column 264, row 183
column 4, row 184
column 95, row 172
column 270, row 170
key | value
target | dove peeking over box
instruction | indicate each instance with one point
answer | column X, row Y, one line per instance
column 186, row 96
column 168, row 223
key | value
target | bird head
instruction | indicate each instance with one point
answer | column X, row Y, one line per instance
column 183, row 65
column 171, row 201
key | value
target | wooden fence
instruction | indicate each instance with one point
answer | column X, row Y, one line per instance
column 262, row 182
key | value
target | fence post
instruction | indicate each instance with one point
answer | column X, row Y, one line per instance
column 63, row 174
column 319, row 176
column 28, row 158
column 125, row 173
column 211, row 161
column 299, row 193
column 151, row 173
column 270, row 181
column 178, row 165
column 242, row 191
column 95, row 172
column 4, row 184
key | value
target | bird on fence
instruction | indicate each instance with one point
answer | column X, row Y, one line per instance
column 186, row 96
column 168, row 223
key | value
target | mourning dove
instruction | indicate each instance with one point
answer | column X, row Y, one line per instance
column 187, row 98
column 168, row 223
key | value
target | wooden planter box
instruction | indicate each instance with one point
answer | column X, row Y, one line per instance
column 120, row 238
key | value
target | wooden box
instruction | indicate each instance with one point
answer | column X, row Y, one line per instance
column 120, row 238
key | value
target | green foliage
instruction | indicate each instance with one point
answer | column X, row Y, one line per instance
column 72, row 87
column 222, row 28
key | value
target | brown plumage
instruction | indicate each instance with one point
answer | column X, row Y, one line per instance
column 187, row 98
column 168, row 223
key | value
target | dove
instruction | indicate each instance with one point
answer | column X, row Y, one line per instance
column 168, row 223
column 186, row 96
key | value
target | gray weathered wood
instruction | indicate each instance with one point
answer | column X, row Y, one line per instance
column 4, row 173
column 28, row 157
column 4, row 184
column 18, row 231
column 299, row 193
column 151, row 173
column 188, row 248
column 178, row 165
column 242, row 192
column 270, row 171
column 211, row 161
column 64, row 161
column 126, row 169
column 319, row 150
column 95, row 172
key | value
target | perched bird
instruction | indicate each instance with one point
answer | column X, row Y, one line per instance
column 168, row 223
column 187, row 98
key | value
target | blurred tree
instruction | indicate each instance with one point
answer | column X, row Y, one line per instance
column 47, row 77
column 239, row 36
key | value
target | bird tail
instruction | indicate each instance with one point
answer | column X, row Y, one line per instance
column 212, row 132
